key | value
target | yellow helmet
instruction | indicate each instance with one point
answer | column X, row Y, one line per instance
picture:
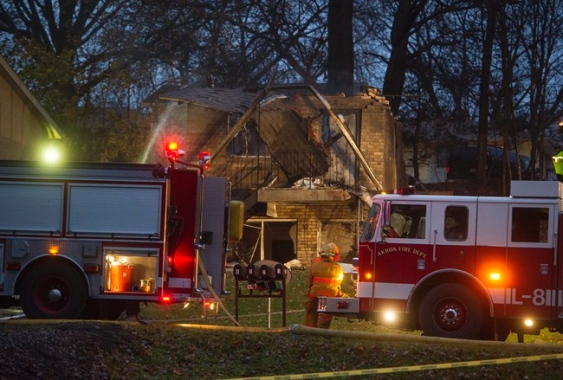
column 329, row 249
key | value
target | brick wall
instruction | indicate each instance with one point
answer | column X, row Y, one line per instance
column 310, row 219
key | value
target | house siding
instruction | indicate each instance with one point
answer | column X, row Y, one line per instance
column 23, row 123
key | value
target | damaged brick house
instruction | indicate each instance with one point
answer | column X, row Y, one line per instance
column 303, row 163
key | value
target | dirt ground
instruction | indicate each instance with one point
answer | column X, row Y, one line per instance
column 63, row 350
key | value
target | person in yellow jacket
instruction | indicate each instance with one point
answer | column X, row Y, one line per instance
column 325, row 278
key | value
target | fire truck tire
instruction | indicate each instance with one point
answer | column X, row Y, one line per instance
column 451, row 310
column 53, row 291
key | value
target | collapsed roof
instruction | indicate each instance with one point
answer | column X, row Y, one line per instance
column 283, row 128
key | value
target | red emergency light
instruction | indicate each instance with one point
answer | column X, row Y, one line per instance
column 173, row 152
column 406, row 190
column 204, row 160
column 170, row 263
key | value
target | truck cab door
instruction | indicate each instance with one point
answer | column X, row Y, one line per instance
column 453, row 235
column 404, row 248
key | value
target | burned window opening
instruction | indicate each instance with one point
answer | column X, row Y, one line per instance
column 248, row 143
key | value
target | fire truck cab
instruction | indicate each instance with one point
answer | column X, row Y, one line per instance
column 473, row 267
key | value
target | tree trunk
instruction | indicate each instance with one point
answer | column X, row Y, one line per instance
column 340, row 47
column 484, row 91
column 403, row 22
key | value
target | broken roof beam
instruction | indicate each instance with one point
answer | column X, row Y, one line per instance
column 343, row 128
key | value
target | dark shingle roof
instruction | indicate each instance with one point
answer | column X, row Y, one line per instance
column 221, row 99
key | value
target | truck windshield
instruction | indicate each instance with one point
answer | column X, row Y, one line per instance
column 371, row 223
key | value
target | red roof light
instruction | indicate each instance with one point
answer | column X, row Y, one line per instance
column 406, row 190
column 173, row 152
column 204, row 160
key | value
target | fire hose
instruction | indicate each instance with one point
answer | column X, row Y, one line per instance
column 210, row 288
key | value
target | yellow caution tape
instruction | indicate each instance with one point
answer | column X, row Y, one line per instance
column 411, row 368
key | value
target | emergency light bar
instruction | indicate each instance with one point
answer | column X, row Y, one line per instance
column 173, row 153
column 406, row 190
column 409, row 190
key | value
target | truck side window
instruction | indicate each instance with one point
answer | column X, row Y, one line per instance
column 409, row 221
column 371, row 223
column 455, row 225
column 529, row 224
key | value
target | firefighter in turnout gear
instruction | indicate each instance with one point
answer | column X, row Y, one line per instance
column 325, row 277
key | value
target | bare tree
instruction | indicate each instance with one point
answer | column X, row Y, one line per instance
column 62, row 41
column 538, row 24
column 490, row 11
column 494, row 63
column 404, row 22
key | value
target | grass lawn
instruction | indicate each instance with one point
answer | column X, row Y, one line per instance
column 201, row 351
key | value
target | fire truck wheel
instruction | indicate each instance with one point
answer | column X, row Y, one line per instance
column 452, row 311
column 53, row 290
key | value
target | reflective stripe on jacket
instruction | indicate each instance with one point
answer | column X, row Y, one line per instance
column 325, row 278
column 317, row 280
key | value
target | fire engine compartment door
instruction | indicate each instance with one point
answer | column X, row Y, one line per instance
column 115, row 210
column 130, row 269
column 213, row 231
column 31, row 207
column 530, row 270
column 515, row 242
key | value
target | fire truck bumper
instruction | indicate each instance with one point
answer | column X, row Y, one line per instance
column 336, row 305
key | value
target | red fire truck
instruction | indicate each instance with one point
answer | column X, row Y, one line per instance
column 82, row 240
column 471, row 267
